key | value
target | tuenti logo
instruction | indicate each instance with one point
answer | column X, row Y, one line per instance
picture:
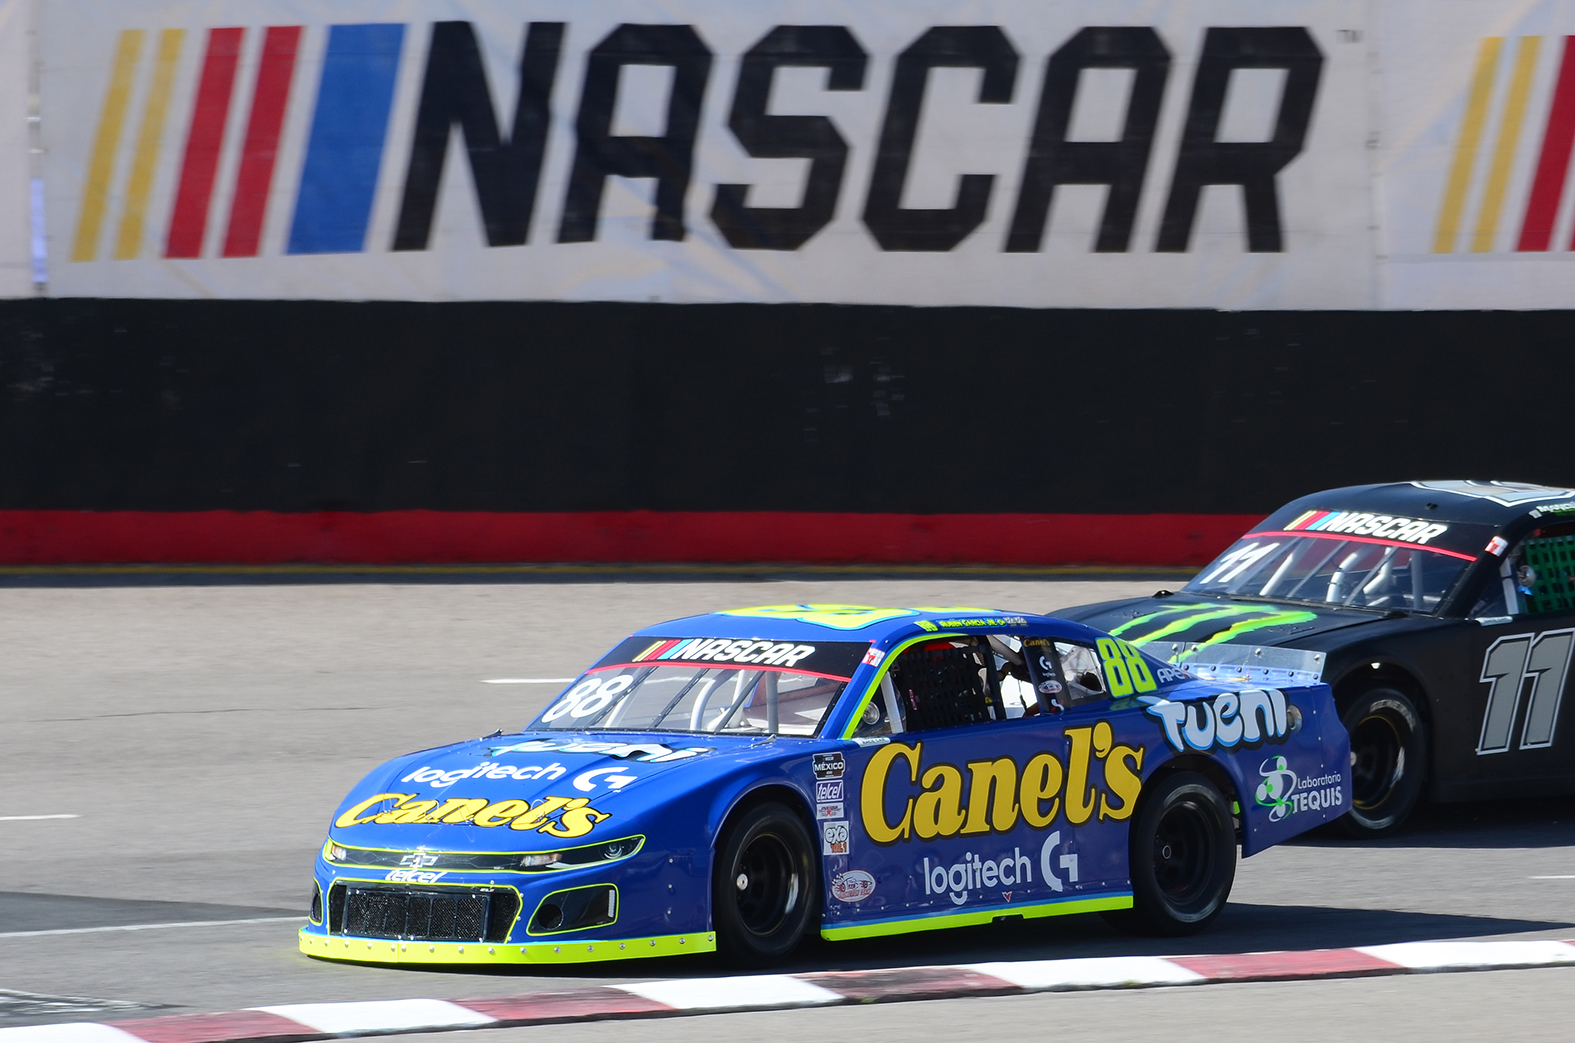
column 345, row 141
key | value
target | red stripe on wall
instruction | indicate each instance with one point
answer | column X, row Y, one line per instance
column 474, row 537
column 203, row 142
column 255, row 176
column 1542, row 209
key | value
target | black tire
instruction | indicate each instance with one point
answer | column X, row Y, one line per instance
column 764, row 918
column 1388, row 761
column 1183, row 858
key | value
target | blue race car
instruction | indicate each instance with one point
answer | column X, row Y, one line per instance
column 742, row 779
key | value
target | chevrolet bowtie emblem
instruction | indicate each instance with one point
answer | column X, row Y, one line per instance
column 420, row 858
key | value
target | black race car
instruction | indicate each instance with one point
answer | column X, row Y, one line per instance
column 1442, row 613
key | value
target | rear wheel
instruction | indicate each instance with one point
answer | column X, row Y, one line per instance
column 764, row 895
column 1388, row 754
column 1183, row 858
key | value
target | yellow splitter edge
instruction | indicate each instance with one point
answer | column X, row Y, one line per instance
column 393, row 950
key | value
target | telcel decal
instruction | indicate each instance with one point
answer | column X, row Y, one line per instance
column 994, row 794
column 565, row 817
column 1247, row 718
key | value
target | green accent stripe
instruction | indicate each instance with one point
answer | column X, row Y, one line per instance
column 1247, row 626
column 386, row 950
column 1203, row 615
column 912, row 924
column 1169, row 610
column 885, row 665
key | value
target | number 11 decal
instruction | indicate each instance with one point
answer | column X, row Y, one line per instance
column 1545, row 659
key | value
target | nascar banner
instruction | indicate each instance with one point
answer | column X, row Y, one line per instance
column 1106, row 153
column 1235, row 154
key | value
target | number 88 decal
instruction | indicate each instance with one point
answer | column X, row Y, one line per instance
column 590, row 696
column 1125, row 669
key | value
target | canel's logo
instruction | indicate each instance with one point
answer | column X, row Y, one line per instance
column 345, row 136
column 1507, row 87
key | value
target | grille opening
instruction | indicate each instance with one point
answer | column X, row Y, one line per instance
column 575, row 910
column 445, row 915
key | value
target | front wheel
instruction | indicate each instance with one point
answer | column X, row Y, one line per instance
column 764, row 894
column 1183, row 858
column 1388, row 751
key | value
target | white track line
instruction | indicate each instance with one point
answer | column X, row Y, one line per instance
column 32, row 818
column 364, row 1017
column 150, row 926
column 526, row 680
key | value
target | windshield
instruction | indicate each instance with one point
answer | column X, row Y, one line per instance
column 727, row 687
column 1353, row 572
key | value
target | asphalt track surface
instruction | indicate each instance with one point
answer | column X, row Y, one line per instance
column 201, row 735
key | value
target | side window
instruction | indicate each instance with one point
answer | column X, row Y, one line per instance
column 1545, row 571
column 1080, row 671
column 938, row 684
column 1537, row 576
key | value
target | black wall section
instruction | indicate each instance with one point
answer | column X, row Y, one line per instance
column 299, row 406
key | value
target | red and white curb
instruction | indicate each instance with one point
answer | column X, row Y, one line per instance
column 307, row 1021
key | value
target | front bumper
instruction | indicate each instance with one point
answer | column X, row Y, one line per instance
column 315, row 942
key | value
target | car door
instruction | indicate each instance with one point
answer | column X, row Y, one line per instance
column 991, row 794
column 1513, row 724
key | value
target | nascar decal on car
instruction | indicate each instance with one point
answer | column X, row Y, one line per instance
column 835, row 838
column 646, row 752
column 853, row 886
column 873, row 657
column 828, row 790
column 1362, row 523
column 829, row 765
column 1284, row 794
column 725, row 650
column 563, row 817
column 1247, row 718
column 939, row 799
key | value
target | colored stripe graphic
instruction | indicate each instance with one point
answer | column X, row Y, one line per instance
column 1542, row 209
column 101, row 167
column 1508, row 140
column 345, row 149
column 211, row 112
column 261, row 150
column 1466, row 148
column 129, row 241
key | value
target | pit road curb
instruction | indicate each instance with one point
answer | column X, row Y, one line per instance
column 681, row 996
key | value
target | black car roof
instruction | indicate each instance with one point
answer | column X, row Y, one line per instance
column 1486, row 502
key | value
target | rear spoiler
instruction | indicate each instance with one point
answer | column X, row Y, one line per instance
column 1254, row 663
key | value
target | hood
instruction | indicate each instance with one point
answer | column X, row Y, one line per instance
column 543, row 790
column 1155, row 623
